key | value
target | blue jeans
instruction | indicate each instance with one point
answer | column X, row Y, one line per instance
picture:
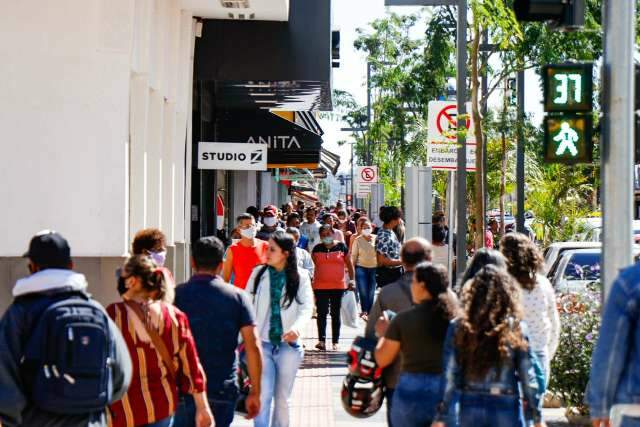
column 279, row 368
column 366, row 283
column 415, row 399
column 485, row 410
column 389, row 396
column 223, row 412
column 545, row 363
column 167, row 422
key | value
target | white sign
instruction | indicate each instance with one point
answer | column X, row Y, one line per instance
column 443, row 122
column 365, row 176
column 232, row 156
column 444, row 156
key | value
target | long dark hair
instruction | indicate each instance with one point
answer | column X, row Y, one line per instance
column 481, row 259
column 523, row 258
column 435, row 279
column 489, row 327
column 287, row 244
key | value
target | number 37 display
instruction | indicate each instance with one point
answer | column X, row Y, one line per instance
column 568, row 102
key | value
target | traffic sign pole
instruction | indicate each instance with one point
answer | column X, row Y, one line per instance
column 461, row 97
column 617, row 138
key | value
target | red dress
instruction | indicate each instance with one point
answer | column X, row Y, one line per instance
column 153, row 394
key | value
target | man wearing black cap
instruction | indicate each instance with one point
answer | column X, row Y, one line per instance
column 35, row 382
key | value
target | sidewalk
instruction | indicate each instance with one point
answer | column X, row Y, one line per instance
column 316, row 395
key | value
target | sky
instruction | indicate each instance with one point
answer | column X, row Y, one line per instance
column 348, row 15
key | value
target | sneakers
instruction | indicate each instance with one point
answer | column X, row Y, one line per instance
column 321, row 346
column 334, row 346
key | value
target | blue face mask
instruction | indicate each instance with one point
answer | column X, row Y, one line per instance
column 327, row 240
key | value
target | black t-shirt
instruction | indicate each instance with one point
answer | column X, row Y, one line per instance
column 421, row 332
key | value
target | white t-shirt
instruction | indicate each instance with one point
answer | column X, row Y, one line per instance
column 440, row 254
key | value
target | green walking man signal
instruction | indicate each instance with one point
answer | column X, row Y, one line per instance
column 568, row 102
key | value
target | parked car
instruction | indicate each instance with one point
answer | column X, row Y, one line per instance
column 575, row 269
column 578, row 267
column 554, row 251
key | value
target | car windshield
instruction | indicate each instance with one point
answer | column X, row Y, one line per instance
column 583, row 266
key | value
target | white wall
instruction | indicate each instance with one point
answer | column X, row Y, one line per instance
column 95, row 103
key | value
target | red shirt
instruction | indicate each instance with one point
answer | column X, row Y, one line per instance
column 153, row 394
column 245, row 258
column 330, row 266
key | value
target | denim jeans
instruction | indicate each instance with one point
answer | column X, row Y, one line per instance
column 389, row 396
column 167, row 422
column 279, row 368
column 223, row 412
column 415, row 399
column 545, row 363
column 366, row 283
column 485, row 410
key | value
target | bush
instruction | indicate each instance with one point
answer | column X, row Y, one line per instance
column 580, row 322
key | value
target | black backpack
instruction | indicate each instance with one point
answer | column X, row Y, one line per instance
column 69, row 356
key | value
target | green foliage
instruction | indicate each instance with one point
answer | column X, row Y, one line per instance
column 570, row 368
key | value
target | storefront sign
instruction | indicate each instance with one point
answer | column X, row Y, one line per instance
column 232, row 156
column 289, row 144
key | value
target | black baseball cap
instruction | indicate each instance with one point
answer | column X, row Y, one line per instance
column 49, row 249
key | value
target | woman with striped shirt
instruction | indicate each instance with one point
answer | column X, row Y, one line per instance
column 162, row 350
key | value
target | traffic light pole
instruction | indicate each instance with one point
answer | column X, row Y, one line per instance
column 617, row 147
column 461, row 175
column 520, row 155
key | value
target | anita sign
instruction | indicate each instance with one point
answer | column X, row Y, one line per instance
column 232, row 156
column 285, row 142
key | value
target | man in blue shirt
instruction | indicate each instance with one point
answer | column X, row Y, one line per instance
column 218, row 312
column 613, row 393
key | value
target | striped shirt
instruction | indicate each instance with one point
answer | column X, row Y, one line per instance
column 153, row 394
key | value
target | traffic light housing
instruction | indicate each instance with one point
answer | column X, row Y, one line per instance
column 568, row 87
column 568, row 139
column 568, row 102
column 565, row 14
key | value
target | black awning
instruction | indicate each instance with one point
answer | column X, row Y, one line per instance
column 290, row 145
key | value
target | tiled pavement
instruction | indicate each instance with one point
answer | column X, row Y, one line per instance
column 316, row 396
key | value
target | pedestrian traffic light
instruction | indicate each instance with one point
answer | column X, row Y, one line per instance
column 565, row 14
column 567, row 139
column 568, row 87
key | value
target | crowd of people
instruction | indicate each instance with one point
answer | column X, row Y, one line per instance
column 170, row 355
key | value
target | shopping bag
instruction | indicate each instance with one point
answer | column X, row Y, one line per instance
column 349, row 309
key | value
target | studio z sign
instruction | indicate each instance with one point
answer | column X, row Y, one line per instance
column 232, row 156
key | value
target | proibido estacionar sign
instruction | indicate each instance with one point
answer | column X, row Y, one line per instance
column 232, row 156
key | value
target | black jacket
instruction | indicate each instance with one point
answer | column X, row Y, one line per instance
column 15, row 327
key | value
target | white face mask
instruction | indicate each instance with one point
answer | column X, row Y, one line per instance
column 158, row 257
column 366, row 232
column 248, row 233
column 269, row 221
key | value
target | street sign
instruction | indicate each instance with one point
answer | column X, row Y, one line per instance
column 567, row 139
column 568, row 87
column 365, row 176
column 442, row 122
column 444, row 156
column 232, row 156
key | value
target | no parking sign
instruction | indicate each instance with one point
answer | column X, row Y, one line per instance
column 365, row 176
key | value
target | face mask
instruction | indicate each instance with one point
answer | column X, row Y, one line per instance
column 327, row 240
column 269, row 221
column 158, row 257
column 248, row 233
column 366, row 232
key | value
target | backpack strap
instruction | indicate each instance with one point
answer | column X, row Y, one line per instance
column 159, row 345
